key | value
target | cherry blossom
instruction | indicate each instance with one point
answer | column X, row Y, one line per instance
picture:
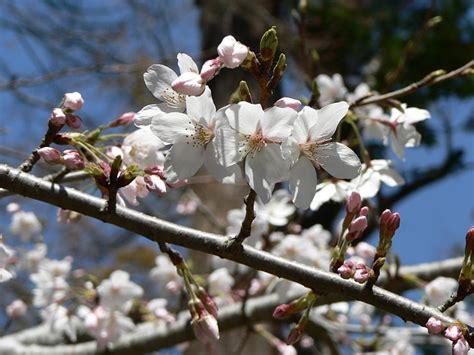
column 278, row 210
column 16, row 309
column 232, row 52
column 73, row 101
column 117, row 292
column 331, row 89
column 25, row 224
column 254, row 136
column 5, row 255
column 310, row 147
column 220, row 282
column 191, row 136
column 439, row 290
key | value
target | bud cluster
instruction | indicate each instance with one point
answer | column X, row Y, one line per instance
column 453, row 332
column 70, row 158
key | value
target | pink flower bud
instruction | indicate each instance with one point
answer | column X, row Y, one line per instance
column 460, row 347
column 295, row 335
column 205, row 328
column 73, row 101
column 282, row 311
column 393, row 223
column 453, row 333
column 73, row 121
column 189, row 83
column 123, row 120
column 58, row 117
column 16, row 309
column 73, row 160
column 208, row 302
column 50, row 155
column 353, row 202
column 211, row 68
column 346, row 270
column 288, row 102
column 434, row 325
column 361, row 273
column 232, row 52
column 356, row 228
column 470, row 241
column 364, row 211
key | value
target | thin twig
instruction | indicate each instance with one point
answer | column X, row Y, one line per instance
column 234, row 243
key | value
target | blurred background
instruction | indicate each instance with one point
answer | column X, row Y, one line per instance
column 102, row 49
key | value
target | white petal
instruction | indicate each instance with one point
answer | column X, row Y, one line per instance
column 391, row 177
column 172, row 127
column 5, row 275
column 397, row 146
column 305, row 120
column 244, row 117
column 226, row 142
column 414, row 114
column 186, row 64
column 338, row 160
column 226, row 175
column 408, row 135
column 146, row 114
column 183, row 161
column 328, row 119
column 367, row 184
column 324, row 193
column 201, row 108
column 303, row 182
column 264, row 168
column 158, row 79
column 277, row 123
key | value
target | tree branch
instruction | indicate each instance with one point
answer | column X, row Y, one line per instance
column 158, row 230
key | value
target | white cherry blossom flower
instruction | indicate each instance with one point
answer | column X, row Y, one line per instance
column 439, row 290
column 310, row 146
column 48, row 288
column 165, row 274
column 26, row 225
column 117, row 292
column 278, row 210
column 331, row 89
column 143, row 148
column 157, row 307
column 59, row 320
column 191, row 135
column 5, row 255
column 255, row 135
column 158, row 79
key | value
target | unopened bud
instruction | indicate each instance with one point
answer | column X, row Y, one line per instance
column 470, row 241
column 461, row 347
column 232, row 52
column 364, row 211
column 295, row 334
column 211, row 68
column 353, row 203
column 207, row 301
column 282, row 311
column 123, row 120
column 269, row 44
column 189, row 83
column 50, row 155
column 288, row 102
column 205, row 328
column 58, row 117
column 346, row 270
column 434, row 325
column 73, row 101
column 16, row 309
column 362, row 273
column 73, row 160
column 73, row 121
column 453, row 333
column 356, row 228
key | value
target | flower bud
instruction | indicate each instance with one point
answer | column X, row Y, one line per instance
column 50, row 155
column 189, row 83
column 434, row 325
column 73, row 121
column 73, row 101
column 211, row 68
column 205, row 328
column 461, row 347
column 123, row 120
column 346, row 270
column 282, row 311
column 269, row 44
column 353, row 202
column 470, row 241
column 16, row 309
column 356, row 228
column 232, row 52
column 207, row 301
column 362, row 273
column 453, row 333
column 73, row 160
column 288, row 102
column 295, row 334
column 58, row 117
column 364, row 211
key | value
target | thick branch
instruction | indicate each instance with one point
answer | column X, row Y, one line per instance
column 161, row 231
column 430, row 79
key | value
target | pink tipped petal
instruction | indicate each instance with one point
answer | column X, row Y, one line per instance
column 189, row 83
column 288, row 102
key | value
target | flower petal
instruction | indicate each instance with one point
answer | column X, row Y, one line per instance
column 158, row 79
column 227, row 142
column 226, row 175
column 338, row 160
column 277, row 123
column 201, row 108
column 325, row 191
column 183, row 161
column 327, row 120
column 186, row 64
column 146, row 114
column 303, row 182
column 244, row 117
column 172, row 127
